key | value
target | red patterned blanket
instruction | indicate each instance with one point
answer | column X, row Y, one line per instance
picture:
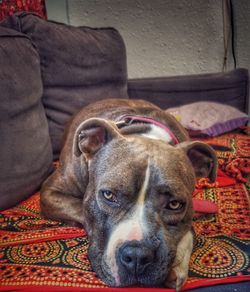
column 49, row 256
column 9, row 7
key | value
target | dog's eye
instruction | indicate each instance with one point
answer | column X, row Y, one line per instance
column 109, row 196
column 174, row 205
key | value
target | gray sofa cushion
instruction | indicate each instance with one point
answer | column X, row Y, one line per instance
column 25, row 148
column 229, row 88
column 79, row 65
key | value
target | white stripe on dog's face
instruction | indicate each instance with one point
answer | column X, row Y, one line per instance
column 129, row 229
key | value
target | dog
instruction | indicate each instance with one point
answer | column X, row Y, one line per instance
column 126, row 173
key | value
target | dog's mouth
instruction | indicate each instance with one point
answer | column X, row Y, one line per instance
column 134, row 266
column 153, row 276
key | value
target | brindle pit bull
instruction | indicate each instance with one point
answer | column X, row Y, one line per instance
column 127, row 172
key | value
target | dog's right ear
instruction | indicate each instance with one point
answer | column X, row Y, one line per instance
column 92, row 134
column 202, row 157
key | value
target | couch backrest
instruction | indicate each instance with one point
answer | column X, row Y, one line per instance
column 229, row 88
column 25, row 147
column 79, row 65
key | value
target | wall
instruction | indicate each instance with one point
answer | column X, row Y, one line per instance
column 242, row 32
column 164, row 37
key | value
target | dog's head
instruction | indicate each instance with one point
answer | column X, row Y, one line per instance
column 138, row 202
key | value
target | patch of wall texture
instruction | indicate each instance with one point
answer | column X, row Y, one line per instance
column 164, row 37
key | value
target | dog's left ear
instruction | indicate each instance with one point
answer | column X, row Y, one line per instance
column 92, row 135
column 202, row 157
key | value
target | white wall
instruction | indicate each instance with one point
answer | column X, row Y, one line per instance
column 242, row 32
column 164, row 37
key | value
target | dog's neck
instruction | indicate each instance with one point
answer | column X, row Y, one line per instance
column 147, row 127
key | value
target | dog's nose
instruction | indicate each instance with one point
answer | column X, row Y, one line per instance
column 135, row 258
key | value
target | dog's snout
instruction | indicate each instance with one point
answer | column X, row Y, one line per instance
column 136, row 258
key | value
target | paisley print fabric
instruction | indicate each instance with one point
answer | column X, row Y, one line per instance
column 41, row 253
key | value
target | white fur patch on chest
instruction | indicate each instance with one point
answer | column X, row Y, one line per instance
column 158, row 133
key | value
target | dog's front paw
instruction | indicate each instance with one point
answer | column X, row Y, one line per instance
column 179, row 273
column 177, row 278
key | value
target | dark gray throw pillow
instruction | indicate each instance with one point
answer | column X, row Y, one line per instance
column 25, row 147
column 79, row 65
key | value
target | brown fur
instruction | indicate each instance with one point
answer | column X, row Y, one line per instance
column 96, row 155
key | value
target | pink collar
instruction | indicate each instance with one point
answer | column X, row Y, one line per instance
column 129, row 119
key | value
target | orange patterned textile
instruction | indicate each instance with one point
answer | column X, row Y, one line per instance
column 37, row 253
column 9, row 7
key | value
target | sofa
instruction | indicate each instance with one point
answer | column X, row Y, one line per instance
column 48, row 72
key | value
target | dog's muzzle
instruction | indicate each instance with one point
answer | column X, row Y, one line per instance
column 142, row 264
column 134, row 258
